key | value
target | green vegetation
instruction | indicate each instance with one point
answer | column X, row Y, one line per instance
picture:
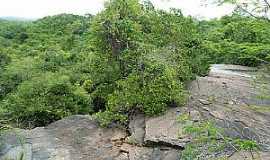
column 237, row 40
column 38, row 73
column 209, row 141
column 261, row 109
column 129, row 57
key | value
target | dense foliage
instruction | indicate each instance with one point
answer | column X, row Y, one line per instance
column 39, row 63
column 150, row 51
column 130, row 57
column 237, row 40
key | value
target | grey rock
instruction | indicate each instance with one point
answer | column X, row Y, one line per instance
column 78, row 138
column 195, row 115
column 122, row 156
column 150, row 153
column 250, row 156
column 73, row 138
column 164, row 130
column 23, row 152
column 237, row 107
column 204, row 102
column 137, row 128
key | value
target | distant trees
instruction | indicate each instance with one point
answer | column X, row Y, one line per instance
column 237, row 40
column 36, row 83
column 44, row 99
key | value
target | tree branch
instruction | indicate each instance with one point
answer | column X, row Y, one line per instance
column 251, row 14
column 267, row 3
column 246, row 11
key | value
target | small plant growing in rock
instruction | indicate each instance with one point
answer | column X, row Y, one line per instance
column 209, row 142
column 106, row 118
column 131, row 140
column 247, row 145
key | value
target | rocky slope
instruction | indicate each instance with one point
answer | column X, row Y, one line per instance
column 228, row 96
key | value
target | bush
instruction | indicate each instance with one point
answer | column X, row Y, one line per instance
column 237, row 40
column 44, row 99
column 153, row 85
column 107, row 117
column 15, row 73
column 154, row 52
column 151, row 93
column 248, row 54
column 4, row 59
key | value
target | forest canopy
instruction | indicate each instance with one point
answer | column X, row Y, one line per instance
column 128, row 58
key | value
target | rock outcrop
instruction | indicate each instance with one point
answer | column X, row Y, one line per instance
column 78, row 138
column 233, row 97
column 228, row 96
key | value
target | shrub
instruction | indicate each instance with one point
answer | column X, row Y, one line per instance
column 15, row 73
column 154, row 53
column 4, row 59
column 150, row 88
column 107, row 117
column 248, row 54
column 44, row 99
column 237, row 40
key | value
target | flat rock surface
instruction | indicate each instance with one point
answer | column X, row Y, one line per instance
column 250, row 156
column 233, row 97
column 165, row 129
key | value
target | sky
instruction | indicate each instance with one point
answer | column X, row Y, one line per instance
column 33, row 9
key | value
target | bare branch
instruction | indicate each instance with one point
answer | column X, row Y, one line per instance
column 246, row 11
column 267, row 3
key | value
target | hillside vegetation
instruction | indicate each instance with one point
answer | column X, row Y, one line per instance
column 130, row 57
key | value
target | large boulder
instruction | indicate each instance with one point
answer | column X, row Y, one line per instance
column 165, row 129
column 137, row 129
column 79, row 138
column 76, row 137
